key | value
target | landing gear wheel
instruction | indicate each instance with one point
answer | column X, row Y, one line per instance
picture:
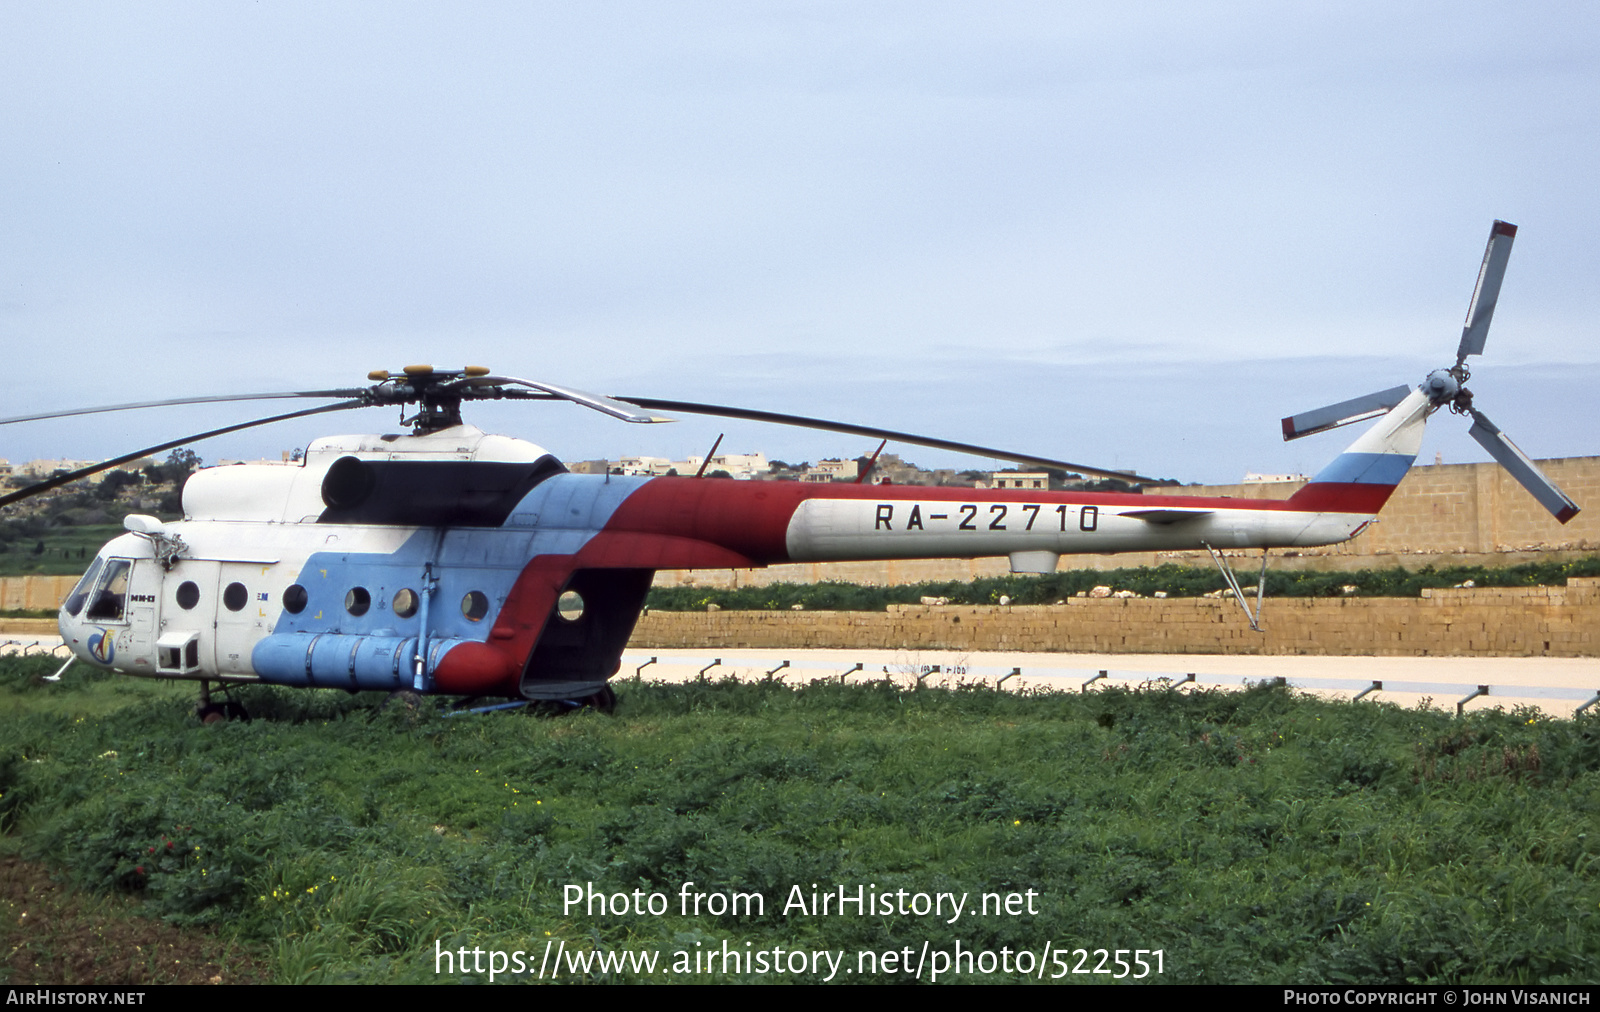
column 410, row 699
column 216, row 713
column 605, row 700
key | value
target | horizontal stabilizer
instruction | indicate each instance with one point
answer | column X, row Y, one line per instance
column 1345, row 412
column 1523, row 469
column 1165, row 516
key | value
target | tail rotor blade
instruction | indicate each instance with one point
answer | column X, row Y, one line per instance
column 1523, row 469
column 1345, row 412
column 1487, row 293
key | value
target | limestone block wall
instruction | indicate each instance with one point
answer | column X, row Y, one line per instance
column 34, row 592
column 1461, row 509
column 1500, row 622
column 1515, row 622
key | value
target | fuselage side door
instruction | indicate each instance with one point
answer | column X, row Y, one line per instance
column 189, row 605
column 144, row 596
column 107, row 634
column 241, row 614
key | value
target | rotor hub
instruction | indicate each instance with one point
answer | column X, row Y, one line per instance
column 1448, row 387
column 436, row 392
column 1441, row 386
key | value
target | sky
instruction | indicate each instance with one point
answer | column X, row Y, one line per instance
column 1131, row 235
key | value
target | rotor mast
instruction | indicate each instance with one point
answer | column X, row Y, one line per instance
column 434, row 391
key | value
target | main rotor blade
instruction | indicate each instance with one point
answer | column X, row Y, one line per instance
column 106, row 465
column 606, row 405
column 1523, row 469
column 182, row 400
column 1481, row 310
column 801, row 421
column 1344, row 413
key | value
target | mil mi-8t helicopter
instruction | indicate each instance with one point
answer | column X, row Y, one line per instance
column 449, row 561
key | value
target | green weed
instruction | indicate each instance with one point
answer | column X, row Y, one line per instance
column 1256, row 836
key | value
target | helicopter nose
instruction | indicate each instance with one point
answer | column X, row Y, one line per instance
column 71, row 633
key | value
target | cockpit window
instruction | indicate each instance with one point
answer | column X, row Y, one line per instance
column 80, row 593
column 110, row 594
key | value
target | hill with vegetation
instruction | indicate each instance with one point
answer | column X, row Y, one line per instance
column 57, row 533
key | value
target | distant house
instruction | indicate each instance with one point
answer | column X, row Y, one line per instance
column 1039, row 480
column 744, row 466
column 738, row 465
column 833, row 470
column 45, row 468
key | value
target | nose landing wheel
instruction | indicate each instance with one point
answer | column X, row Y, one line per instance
column 215, row 713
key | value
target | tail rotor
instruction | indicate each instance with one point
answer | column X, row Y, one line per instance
column 1447, row 387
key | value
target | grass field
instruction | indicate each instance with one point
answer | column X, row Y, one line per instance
column 1249, row 836
column 56, row 551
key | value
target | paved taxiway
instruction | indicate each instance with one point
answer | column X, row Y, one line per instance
column 1556, row 685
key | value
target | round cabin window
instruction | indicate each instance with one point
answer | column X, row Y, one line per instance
column 188, row 594
column 475, row 605
column 357, row 601
column 235, row 597
column 570, row 606
column 405, row 603
column 294, row 599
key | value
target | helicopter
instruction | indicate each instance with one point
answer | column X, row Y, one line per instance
column 446, row 560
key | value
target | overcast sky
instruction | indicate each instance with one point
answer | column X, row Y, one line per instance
column 1129, row 235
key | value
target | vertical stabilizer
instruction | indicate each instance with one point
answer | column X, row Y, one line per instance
column 1361, row 479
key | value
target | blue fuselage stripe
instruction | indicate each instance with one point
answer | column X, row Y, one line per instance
column 1366, row 469
column 558, row 517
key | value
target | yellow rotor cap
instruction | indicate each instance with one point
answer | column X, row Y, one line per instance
column 419, row 370
column 378, row 375
column 476, row 370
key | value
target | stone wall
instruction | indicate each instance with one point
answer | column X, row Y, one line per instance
column 1500, row 622
column 1515, row 622
column 34, row 593
column 1461, row 509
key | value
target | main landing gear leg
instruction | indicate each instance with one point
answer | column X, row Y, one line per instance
column 605, row 700
column 410, row 699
